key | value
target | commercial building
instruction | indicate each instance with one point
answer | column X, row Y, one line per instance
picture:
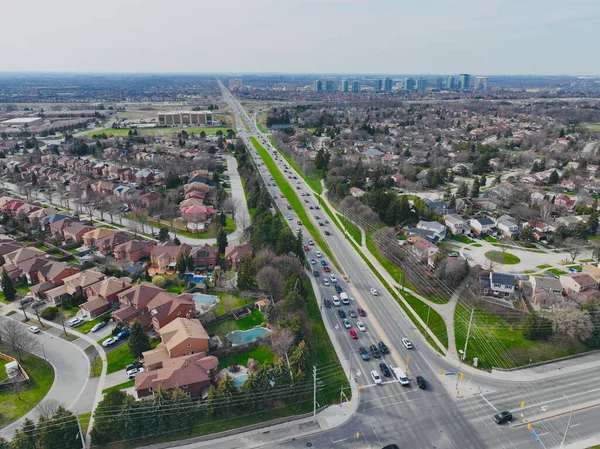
column 450, row 83
column 22, row 121
column 318, row 84
column 329, row 86
column 235, row 83
column 464, row 81
column 409, row 84
column 387, row 84
column 438, row 83
column 481, row 83
column 421, row 84
column 378, row 85
column 355, row 86
column 185, row 118
column 344, row 87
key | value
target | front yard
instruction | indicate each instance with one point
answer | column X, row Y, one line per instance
column 120, row 357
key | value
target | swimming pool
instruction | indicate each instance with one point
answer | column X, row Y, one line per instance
column 239, row 381
column 201, row 298
column 195, row 279
column 241, row 337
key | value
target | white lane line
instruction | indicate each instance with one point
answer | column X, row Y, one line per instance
column 398, row 402
column 417, row 366
column 575, row 425
column 488, row 402
column 339, row 441
column 542, row 434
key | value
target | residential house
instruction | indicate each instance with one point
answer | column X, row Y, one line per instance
column 133, row 304
column 569, row 221
column 568, row 184
column 144, row 176
column 103, row 294
column 578, row 282
column 422, row 248
column 55, row 272
column 565, row 201
column 103, row 187
column 7, row 248
column 107, row 244
column 191, row 373
column 164, row 257
column 91, row 238
column 439, row 207
column 545, row 291
column 438, row 229
column 483, row 225
column 165, row 307
column 73, row 285
column 356, row 192
column 398, row 178
column 507, row 225
column 498, row 284
column 593, row 271
column 179, row 338
column 133, row 250
column 235, row 255
column 206, row 257
column 75, row 231
column 456, row 224
column 541, row 230
column 197, row 215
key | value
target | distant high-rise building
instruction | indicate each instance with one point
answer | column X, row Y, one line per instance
column 481, row 83
column 421, row 84
column 344, row 85
column 450, row 83
column 438, row 83
column 464, row 81
column 318, row 85
column 378, row 85
column 409, row 84
column 329, row 86
column 387, row 84
column 235, row 83
column 356, row 86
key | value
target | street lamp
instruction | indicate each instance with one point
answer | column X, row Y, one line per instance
column 569, row 423
column 43, row 351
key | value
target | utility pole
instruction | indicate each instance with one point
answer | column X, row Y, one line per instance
column 428, row 311
column 569, row 423
column 80, row 431
column 464, row 355
column 314, row 394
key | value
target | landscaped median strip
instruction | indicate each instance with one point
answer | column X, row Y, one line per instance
column 293, row 200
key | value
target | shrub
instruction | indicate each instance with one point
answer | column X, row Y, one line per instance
column 159, row 280
column 49, row 313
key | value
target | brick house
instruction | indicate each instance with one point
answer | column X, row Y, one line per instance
column 134, row 302
column 103, row 294
column 75, row 231
column 205, row 256
column 107, row 244
column 164, row 257
column 234, row 255
column 133, row 250
column 165, row 307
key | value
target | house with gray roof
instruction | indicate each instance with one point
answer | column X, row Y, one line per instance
column 498, row 284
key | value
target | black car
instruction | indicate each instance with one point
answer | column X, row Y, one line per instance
column 321, row 223
column 364, row 353
column 391, row 446
column 326, row 232
column 338, row 288
column 385, row 370
column 316, row 273
column 421, row 383
column 383, row 348
column 503, row 417
column 375, row 351
column 352, row 313
column 342, row 314
column 327, row 303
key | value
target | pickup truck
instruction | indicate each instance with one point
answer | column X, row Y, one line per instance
column 400, row 375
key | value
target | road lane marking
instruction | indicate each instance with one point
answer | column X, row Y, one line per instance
column 489, row 403
column 575, row 425
column 542, row 434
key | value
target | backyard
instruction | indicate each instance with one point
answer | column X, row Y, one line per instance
column 256, row 318
column 41, row 376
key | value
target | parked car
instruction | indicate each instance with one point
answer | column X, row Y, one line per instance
column 364, row 353
column 385, row 370
column 133, row 372
column 26, row 300
column 353, row 334
column 98, row 326
column 421, row 383
column 375, row 351
column 376, row 378
column 407, row 343
column 34, row 329
column 361, row 311
column 133, row 365
column 503, row 417
column 124, row 333
column 383, row 348
column 74, row 322
column 110, row 341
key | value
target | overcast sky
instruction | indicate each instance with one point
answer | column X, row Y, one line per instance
column 309, row 36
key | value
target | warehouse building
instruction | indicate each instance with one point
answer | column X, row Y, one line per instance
column 185, row 118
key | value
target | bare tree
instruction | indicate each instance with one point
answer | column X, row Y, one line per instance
column 17, row 336
column 25, row 188
column 574, row 322
column 282, row 342
column 574, row 247
column 546, row 208
column 269, row 280
column 18, row 386
column 48, row 407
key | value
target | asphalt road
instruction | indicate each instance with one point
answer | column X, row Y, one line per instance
column 436, row 417
column 71, row 372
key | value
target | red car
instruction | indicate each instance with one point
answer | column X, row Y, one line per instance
column 361, row 311
column 353, row 334
column 326, row 269
column 281, row 195
column 299, row 223
column 305, row 248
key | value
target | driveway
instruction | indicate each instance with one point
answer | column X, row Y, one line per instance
column 71, row 373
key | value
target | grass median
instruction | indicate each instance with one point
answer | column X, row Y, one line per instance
column 293, row 200
column 313, row 182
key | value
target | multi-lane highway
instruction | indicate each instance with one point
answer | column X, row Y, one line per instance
column 408, row 416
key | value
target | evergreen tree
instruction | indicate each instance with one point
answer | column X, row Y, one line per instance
column 8, row 288
column 592, row 222
column 463, row 190
column 59, row 431
column 482, row 181
column 211, row 399
column 223, row 219
column 139, row 341
column 583, row 164
column 222, row 240
column 300, row 357
column 225, row 393
column 181, row 264
column 475, row 188
column 190, row 265
column 26, row 437
column 299, row 246
column 246, row 276
column 163, row 234
column 553, row 178
column 286, row 242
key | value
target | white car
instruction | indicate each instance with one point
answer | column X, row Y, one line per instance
column 374, row 292
column 361, row 326
column 407, row 343
column 332, row 278
column 34, row 329
column 109, row 341
column 134, row 372
column 336, row 301
column 347, row 324
column 74, row 322
column 326, row 283
column 376, row 378
column 310, row 242
column 313, row 262
column 289, row 217
column 318, row 254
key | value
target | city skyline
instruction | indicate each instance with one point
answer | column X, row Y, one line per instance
column 306, row 36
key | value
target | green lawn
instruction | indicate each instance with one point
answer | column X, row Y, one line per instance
column 22, row 290
column 261, row 355
column 476, row 245
column 86, row 327
column 529, row 271
column 229, row 228
column 96, row 367
column 84, row 421
column 503, row 258
column 41, row 376
column 497, row 343
column 72, row 262
column 292, row 199
column 352, row 229
column 233, row 301
column 157, row 131
column 174, row 288
column 3, row 374
column 543, row 266
column 436, row 322
column 489, row 238
column 462, row 238
column 556, row 271
column 256, row 318
column 314, row 182
column 120, row 357
column 42, row 248
column 128, row 384
column 395, row 271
